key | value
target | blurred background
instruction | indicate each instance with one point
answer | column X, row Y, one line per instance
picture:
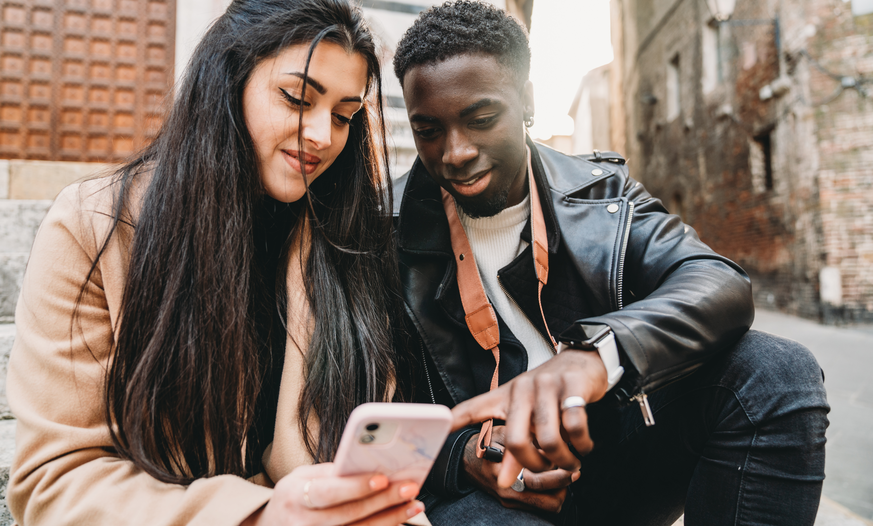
column 751, row 119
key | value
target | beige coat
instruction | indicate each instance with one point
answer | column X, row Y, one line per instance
column 64, row 470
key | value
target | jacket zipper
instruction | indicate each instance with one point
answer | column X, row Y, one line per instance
column 426, row 372
column 619, row 287
column 643, row 400
column 641, row 397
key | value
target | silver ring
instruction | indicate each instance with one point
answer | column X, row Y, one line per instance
column 518, row 485
column 572, row 401
column 306, row 500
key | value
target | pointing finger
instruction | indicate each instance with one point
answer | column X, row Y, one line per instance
column 480, row 408
column 518, row 431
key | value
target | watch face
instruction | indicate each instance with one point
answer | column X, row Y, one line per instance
column 583, row 336
column 594, row 333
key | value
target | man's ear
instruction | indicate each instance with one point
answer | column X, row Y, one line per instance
column 527, row 100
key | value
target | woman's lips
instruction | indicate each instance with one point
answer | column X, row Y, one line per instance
column 474, row 186
column 293, row 157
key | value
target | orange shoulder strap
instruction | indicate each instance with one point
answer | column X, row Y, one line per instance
column 479, row 313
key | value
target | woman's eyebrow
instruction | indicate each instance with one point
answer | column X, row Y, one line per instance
column 319, row 87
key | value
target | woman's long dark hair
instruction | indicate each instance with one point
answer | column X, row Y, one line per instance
column 189, row 362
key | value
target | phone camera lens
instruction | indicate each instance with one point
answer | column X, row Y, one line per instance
column 372, row 427
column 366, row 439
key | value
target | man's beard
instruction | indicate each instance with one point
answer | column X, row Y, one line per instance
column 476, row 207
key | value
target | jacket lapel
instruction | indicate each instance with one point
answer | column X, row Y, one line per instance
column 583, row 193
column 565, row 185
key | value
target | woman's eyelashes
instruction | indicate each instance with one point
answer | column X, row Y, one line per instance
column 342, row 119
column 292, row 100
column 296, row 103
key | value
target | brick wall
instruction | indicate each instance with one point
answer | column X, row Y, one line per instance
column 843, row 45
column 811, row 209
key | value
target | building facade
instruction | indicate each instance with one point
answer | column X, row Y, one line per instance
column 590, row 113
column 753, row 120
column 86, row 82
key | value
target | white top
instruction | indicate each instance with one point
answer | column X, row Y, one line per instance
column 496, row 241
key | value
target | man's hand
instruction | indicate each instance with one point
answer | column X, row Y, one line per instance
column 537, row 430
column 543, row 491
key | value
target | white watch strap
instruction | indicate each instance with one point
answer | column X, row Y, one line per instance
column 608, row 351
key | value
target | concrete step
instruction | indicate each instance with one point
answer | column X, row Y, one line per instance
column 7, row 335
column 7, row 450
column 11, row 275
column 7, row 424
column 19, row 221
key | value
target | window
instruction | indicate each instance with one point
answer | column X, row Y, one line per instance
column 761, row 161
column 711, row 57
column 673, row 96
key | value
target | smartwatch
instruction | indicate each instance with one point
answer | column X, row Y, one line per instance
column 598, row 338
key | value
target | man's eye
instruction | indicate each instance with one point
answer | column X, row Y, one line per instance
column 426, row 133
column 291, row 100
column 483, row 121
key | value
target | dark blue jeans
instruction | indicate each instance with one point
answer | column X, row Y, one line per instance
column 739, row 442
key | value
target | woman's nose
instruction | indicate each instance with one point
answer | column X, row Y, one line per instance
column 317, row 129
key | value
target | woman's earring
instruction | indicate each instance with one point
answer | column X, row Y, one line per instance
column 528, row 121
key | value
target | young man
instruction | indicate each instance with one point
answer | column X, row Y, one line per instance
column 505, row 244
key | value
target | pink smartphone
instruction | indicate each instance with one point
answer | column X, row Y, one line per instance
column 401, row 441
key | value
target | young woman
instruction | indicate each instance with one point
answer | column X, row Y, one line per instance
column 194, row 330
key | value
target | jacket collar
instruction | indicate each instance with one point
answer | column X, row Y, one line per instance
column 423, row 227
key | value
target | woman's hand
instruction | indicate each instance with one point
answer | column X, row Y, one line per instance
column 313, row 495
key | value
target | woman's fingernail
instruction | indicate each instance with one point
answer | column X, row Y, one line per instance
column 408, row 491
column 415, row 509
column 378, row 482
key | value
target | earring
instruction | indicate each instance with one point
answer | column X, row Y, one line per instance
column 529, row 121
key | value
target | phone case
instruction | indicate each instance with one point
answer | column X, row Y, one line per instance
column 401, row 441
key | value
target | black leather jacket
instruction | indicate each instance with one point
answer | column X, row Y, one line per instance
column 616, row 257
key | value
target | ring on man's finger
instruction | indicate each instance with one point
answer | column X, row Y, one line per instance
column 572, row 401
column 306, row 499
column 518, row 485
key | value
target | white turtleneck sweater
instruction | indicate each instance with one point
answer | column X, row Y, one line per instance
column 496, row 241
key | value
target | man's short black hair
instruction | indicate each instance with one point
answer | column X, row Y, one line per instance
column 461, row 27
